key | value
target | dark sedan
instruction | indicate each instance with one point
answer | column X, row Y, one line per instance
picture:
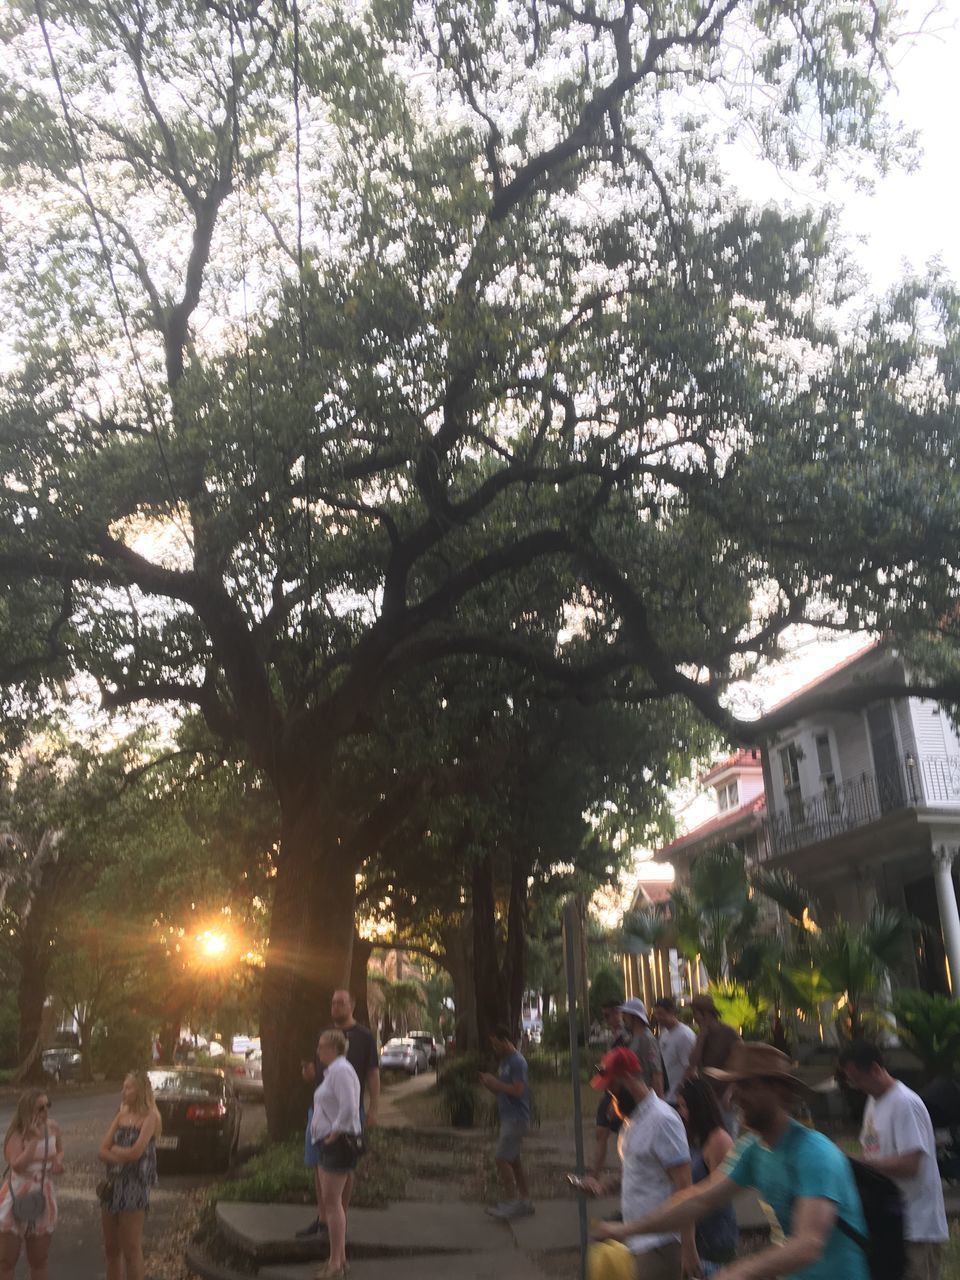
column 201, row 1116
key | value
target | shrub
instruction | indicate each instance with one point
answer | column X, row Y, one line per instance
column 122, row 1044
column 458, row 1088
column 607, row 985
column 930, row 1026
column 276, row 1175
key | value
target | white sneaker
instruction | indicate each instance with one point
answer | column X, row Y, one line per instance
column 517, row 1209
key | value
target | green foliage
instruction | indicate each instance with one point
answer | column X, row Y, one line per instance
column 122, row 1044
column 607, row 985
column 747, row 1010
column 930, row 1026
column 478, row 412
column 853, row 961
column 461, row 1100
column 276, row 1175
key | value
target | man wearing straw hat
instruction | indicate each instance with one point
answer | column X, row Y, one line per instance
column 802, row 1176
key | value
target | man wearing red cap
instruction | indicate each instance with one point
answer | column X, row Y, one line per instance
column 656, row 1163
column 799, row 1173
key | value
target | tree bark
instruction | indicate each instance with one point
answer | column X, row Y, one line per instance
column 491, row 994
column 311, row 940
column 359, row 960
column 515, row 960
column 35, row 957
column 458, row 958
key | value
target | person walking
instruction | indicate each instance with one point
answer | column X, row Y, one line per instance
column 655, row 1160
column 717, row 1234
column 335, row 1129
column 363, row 1057
column 643, row 1043
column 608, row 1118
column 715, row 1044
column 676, row 1042
column 897, row 1139
column 803, row 1177
column 33, row 1153
column 129, row 1150
column 510, row 1086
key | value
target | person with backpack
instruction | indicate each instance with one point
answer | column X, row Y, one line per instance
column 897, row 1140
column 807, row 1181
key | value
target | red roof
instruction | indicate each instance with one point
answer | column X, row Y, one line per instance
column 655, row 890
column 723, row 820
column 747, row 758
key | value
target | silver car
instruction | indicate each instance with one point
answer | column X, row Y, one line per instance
column 248, row 1076
column 404, row 1054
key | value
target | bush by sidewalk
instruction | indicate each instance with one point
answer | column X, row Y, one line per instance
column 276, row 1175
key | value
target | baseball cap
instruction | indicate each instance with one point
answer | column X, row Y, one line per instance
column 618, row 1062
column 636, row 1009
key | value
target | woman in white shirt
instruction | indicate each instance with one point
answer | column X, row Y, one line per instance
column 335, row 1128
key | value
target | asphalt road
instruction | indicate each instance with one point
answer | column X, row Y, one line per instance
column 84, row 1117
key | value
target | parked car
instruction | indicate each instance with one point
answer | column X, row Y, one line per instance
column 201, row 1116
column 404, row 1054
column 62, row 1062
column 434, row 1047
column 248, row 1075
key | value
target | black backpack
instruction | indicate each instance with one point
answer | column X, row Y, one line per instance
column 883, row 1211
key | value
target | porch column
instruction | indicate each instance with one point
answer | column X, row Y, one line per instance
column 949, row 915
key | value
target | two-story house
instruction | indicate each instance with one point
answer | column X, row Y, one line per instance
column 863, row 805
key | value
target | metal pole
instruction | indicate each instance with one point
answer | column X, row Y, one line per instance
column 571, row 923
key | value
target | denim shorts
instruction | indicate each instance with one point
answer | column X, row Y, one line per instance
column 512, row 1134
column 311, row 1150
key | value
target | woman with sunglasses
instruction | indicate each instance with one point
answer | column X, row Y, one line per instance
column 698, row 1108
column 33, row 1153
column 129, row 1150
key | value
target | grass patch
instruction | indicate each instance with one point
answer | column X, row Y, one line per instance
column 951, row 1253
column 276, row 1175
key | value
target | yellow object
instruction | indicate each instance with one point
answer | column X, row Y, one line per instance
column 610, row 1260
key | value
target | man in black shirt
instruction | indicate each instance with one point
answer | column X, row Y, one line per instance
column 363, row 1057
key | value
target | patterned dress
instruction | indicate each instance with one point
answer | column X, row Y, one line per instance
column 131, row 1183
column 29, row 1180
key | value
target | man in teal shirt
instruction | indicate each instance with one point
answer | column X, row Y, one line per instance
column 802, row 1176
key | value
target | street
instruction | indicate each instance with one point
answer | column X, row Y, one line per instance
column 84, row 1117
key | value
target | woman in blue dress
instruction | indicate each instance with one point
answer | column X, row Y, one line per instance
column 129, row 1150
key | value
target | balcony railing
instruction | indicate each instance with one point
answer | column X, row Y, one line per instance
column 913, row 781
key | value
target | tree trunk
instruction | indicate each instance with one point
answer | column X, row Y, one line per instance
column 515, row 961
column 359, row 960
column 491, row 995
column 311, row 939
column 36, row 955
column 458, row 957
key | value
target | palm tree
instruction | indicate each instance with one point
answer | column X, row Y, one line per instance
column 856, row 960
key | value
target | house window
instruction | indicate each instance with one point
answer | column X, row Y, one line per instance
column 828, row 778
column 790, row 764
column 728, row 796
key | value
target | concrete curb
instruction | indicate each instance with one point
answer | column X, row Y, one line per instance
column 200, row 1265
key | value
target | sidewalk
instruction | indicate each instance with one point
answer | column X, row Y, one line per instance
column 443, row 1229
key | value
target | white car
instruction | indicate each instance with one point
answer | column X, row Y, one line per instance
column 404, row 1054
column 248, row 1075
column 435, row 1048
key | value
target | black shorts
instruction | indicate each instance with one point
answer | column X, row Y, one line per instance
column 337, row 1157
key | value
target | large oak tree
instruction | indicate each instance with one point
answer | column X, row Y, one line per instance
column 336, row 334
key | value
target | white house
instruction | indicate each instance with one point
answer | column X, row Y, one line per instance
column 863, row 805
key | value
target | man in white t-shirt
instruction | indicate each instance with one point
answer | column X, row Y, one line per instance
column 676, row 1043
column 897, row 1139
column 656, row 1163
